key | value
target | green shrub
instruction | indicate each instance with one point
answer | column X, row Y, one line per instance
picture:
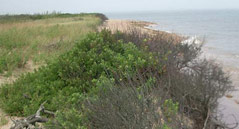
column 74, row 73
column 170, row 109
column 68, row 119
column 122, row 105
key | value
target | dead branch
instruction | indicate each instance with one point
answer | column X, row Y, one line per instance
column 205, row 123
column 31, row 120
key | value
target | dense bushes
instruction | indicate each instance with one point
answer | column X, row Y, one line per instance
column 195, row 83
column 121, row 106
column 73, row 73
column 123, row 80
column 187, row 90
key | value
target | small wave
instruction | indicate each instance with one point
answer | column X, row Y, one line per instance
column 237, row 56
column 170, row 32
column 191, row 40
column 158, row 28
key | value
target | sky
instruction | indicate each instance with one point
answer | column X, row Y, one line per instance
column 107, row 6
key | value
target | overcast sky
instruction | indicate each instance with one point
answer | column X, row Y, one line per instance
column 105, row 6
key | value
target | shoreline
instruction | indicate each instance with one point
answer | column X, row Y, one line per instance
column 144, row 26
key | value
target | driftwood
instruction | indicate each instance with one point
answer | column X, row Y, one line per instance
column 30, row 121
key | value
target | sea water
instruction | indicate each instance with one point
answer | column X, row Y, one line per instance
column 219, row 29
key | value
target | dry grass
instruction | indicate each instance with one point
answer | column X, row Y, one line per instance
column 40, row 40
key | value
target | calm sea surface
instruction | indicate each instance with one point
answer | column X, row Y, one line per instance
column 219, row 28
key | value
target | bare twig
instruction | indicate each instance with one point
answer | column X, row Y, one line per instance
column 205, row 123
column 32, row 119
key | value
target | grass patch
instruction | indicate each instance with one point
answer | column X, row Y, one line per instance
column 27, row 17
column 41, row 37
